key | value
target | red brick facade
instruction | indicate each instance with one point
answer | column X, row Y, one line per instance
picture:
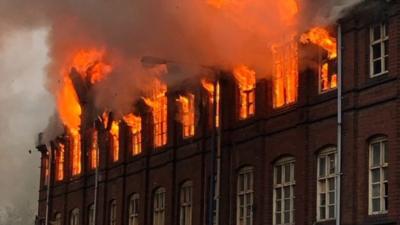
column 371, row 108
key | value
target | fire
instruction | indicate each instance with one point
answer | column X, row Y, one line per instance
column 187, row 114
column 94, row 147
column 135, row 124
column 75, row 151
column 114, row 131
column 285, row 74
column 104, row 119
column 157, row 100
column 246, row 79
column 209, row 86
column 321, row 37
column 60, row 162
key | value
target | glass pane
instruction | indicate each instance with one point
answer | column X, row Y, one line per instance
column 376, row 51
column 278, row 206
column 376, row 154
column 322, row 199
column 386, row 202
column 278, row 194
column 384, row 171
column 386, row 64
column 332, row 197
column 376, row 190
column 331, row 184
column 377, row 67
column 386, row 189
column 322, row 167
column 332, row 164
column 287, row 172
column 278, row 175
column 322, row 213
column 286, row 192
column 287, row 217
column 376, row 205
column 322, row 186
column 287, row 205
column 331, row 211
column 375, row 175
column 278, row 218
column 386, row 47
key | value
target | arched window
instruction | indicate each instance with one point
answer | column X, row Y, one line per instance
column 113, row 212
column 74, row 217
column 159, row 207
column 185, row 212
column 283, row 193
column 91, row 218
column 245, row 196
column 378, row 182
column 57, row 219
column 134, row 209
column 326, row 184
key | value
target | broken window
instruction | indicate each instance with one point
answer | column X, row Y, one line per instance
column 135, row 125
column 76, row 152
column 114, row 131
column 210, row 87
column 94, row 148
column 246, row 80
column 187, row 114
column 60, row 162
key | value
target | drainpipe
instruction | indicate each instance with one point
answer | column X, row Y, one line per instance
column 339, row 126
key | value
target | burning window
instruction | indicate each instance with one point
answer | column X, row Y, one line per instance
column 60, row 162
column 285, row 74
column 46, row 169
column 135, row 125
column 75, row 152
column 94, row 147
column 187, row 114
column 246, row 80
column 158, row 102
column 327, row 67
column 115, row 140
column 210, row 87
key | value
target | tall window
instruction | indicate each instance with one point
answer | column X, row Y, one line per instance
column 134, row 210
column 46, row 169
column 284, row 182
column 91, row 219
column 60, row 162
column 245, row 192
column 246, row 80
column 74, row 217
column 185, row 213
column 187, row 114
column 160, row 122
column 75, row 149
column 379, row 49
column 94, row 148
column 113, row 212
column 159, row 207
column 114, row 131
column 378, row 183
column 135, row 124
column 57, row 219
column 326, row 184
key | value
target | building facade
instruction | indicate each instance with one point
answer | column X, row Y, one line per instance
column 278, row 165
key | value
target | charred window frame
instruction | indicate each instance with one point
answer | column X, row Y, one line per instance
column 283, row 193
column 185, row 198
column 378, row 181
column 136, row 139
column 245, row 196
column 326, row 184
column 379, row 49
column 247, row 103
column 327, row 74
column 133, row 211
column 159, row 206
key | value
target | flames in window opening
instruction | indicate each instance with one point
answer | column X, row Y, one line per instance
column 94, row 148
column 135, row 125
column 210, row 88
column 114, row 131
column 285, row 74
column 187, row 114
column 75, row 143
column 60, row 158
column 157, row 100
column 246, row 80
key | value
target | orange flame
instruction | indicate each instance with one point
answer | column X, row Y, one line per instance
column 246, row 79
column 158, row 102
column 76, row 152
column 114, row 131
column 322, row 38
column 209, row 86
column 135, row 124
column 60, row 162
column 285, row 74
column 187, row 114
column 93, row 150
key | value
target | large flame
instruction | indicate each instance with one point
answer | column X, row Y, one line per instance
column 187, row 114
column 246, row 80
column 157, row 100
column 114, row 131
column 321, row 37
column 135, row 125
column 210, row 88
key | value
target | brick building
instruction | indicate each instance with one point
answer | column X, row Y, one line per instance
column 278, row 165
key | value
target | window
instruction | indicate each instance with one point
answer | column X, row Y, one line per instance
column 114, row 131
column 57, row 219
column 46, row 169
column 244, row 200
column 379, row 49
column 283, row 195
column 159, row 207
column 378, row 183
column 185, row 214
column 160, row 122
column 246, row 80
column 91, row 220
column 186, row 114
column 210, row 86
column 327, row 76
column 76, row 165
column 60, row 162
column 113, row 212
column 135, row 125
column 285, row 74
column 94, row 148
column 326, row 185
column 74, row 217
column 134, row 210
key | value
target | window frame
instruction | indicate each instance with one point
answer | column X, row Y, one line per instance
column 159, row 196
column 245, row 173
column 186, row 203
column 383, row 165
column 57, row 219
column 326, row 153
column 133, row 209
column 91, row 219
column 281, row 187
column 384, row 37
column 113, row 212
column 74, row 218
